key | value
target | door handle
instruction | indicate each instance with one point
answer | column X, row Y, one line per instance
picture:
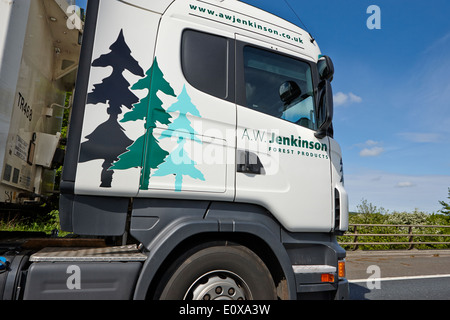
column 249, row 162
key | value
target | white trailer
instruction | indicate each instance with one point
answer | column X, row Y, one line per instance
column 38, row 63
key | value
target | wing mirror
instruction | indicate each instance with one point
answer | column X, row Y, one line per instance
column 326, row 68
column 325, row 111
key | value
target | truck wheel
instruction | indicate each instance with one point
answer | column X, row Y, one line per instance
column 231, row 272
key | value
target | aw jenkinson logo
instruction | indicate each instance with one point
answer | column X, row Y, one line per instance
column 292, row 145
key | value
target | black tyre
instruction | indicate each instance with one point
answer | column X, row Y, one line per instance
column 218, row 272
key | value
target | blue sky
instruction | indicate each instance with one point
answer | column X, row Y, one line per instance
column 81, row 3
column 392, row 95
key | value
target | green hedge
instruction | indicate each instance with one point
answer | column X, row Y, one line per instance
column 397, row 218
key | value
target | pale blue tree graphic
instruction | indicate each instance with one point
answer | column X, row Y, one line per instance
column 179, row 163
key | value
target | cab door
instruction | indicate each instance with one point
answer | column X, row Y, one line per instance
column 192, row 115
column 281, row 164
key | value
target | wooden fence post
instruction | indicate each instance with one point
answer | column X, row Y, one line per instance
column 411, row 238
column 355, row 238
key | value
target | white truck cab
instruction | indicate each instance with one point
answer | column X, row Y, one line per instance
column 179, row 112
column 201, row 131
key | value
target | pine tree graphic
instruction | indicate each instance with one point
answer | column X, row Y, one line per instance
column 149, row 109
column 178, row 163
column 108, row 140
column 115, row 88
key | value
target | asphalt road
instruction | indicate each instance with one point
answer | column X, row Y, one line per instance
column 399, row 275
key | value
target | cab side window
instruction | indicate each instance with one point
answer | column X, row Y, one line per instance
column 207, row 63
column 279, row 85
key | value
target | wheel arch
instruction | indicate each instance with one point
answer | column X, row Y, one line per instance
column 247, row 225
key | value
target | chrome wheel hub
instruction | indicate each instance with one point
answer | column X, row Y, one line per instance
column 219, row 285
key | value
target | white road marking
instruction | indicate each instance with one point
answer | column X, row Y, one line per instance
column 400, row 278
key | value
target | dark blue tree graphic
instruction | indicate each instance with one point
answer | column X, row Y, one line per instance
column 109, row 140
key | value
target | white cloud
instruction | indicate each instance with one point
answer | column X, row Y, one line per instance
column 405, row 184
column 428, row 79
column 354, row 98
column 420, row 137
column 371, row 148
column 371, row 152
column 372, row 143
column 396, row 191
column 341, row 99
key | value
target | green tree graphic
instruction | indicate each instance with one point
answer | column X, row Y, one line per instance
column 146, row 152
column 178, row 163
